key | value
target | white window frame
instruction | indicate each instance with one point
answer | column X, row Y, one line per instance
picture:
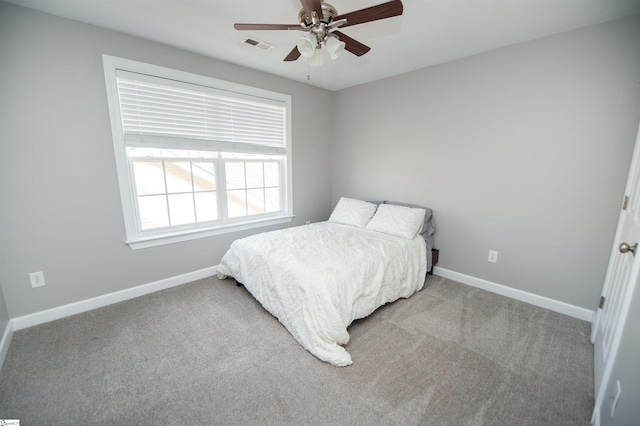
column 136, row 238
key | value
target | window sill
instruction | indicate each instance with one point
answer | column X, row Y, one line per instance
column 170, row 238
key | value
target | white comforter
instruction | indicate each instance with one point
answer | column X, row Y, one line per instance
column 317, row 279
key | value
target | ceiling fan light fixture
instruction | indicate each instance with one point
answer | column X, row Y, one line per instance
column 321, row 21
column 334, row 47
column 316, row 59
column 307, row 46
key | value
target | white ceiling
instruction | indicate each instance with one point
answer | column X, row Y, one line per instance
column 429, row 32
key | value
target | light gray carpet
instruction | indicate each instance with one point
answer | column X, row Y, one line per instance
column 207, row 353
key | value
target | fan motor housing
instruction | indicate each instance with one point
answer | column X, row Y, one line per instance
column 328, row 13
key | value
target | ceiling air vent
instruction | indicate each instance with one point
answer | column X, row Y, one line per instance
column 259, row 44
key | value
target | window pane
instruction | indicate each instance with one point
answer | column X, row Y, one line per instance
column 149, row 177
column 272, row 199
column 178, row 176
column 235, row 174
column 181, row 209
column 236, row 203
column 153, row 212
column 206, row 206
column 255, row 201
column 204, row 176
column 271, row 174
column 254, row 174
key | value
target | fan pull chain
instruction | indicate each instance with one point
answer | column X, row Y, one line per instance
column 308, row 71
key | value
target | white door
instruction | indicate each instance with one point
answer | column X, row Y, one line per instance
column 620, row 281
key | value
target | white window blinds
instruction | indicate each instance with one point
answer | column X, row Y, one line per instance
column 172, row 114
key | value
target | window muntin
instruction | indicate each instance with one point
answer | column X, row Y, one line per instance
column 179, row 187
column 172, row 192
column 195, row 157
column 253, row 187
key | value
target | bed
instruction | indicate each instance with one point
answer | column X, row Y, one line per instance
column 317, row 279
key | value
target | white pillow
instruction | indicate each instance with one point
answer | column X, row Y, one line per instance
column 400, row 221
column 352, row 212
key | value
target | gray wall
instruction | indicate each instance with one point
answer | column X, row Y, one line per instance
column 523, row 150
column 58, row 185
column 4, row 314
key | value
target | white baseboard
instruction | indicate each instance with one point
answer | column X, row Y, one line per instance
column 53, row 314
column 523, row 296
column 4, row 343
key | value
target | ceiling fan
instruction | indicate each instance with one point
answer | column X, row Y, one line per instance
column 321, row 21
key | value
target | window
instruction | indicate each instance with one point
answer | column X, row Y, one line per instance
column 196, row 156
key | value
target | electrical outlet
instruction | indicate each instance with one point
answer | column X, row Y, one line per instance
column 37, row 279
column 493, row 256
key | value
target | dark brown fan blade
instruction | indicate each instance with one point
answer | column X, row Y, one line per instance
column 293, row 55
column 267, row 27
column 312, row 6
column 353, row 46
column 373, row 13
